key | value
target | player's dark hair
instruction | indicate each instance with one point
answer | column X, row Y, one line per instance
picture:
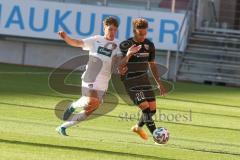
column 110, row 21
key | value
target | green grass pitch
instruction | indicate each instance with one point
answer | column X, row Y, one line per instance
column 28, row 122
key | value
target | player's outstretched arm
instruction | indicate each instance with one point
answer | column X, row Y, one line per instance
column 156, row 76
column 70, row 41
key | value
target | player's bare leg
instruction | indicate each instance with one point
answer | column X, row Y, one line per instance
column 89, row 105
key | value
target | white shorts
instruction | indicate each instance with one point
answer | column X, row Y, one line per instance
column 97, row 85
column 100, row 86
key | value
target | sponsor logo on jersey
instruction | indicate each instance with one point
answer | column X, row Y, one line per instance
column 104, row 51
column 142, row 54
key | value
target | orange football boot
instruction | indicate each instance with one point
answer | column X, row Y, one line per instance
column 140, row 132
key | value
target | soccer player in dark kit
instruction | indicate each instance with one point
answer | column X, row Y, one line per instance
column 138, row 62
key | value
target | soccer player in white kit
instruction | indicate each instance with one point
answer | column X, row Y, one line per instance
column 101, row 49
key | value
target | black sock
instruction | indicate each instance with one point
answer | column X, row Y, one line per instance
column 143, row 117
column 153, row 112
column 150, row 125
column 141, row 120
column 147, row 119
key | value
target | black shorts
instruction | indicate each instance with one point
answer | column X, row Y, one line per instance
column 139, row 89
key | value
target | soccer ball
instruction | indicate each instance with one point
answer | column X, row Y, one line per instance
column 161, row 135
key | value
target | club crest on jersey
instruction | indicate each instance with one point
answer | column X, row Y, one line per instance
column 146, row 46
column 110, row 45
column 104, row 51
column 90, row 85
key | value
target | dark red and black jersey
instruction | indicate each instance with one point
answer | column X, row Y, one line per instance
column 138, row 63
column 136, row 79
column 145, row 54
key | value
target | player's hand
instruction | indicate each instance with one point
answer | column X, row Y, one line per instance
column 163, row 91
column 62, row 34
column 133, row 49
column 122, row 70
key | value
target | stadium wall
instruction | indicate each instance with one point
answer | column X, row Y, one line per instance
column 51, row 54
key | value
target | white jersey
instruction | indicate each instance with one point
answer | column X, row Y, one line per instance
column 99, row 67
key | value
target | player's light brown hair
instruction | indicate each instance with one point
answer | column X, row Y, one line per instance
column 140, row 23
column 110, row 21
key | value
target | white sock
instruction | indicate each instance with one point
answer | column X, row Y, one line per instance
column 75, row 119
